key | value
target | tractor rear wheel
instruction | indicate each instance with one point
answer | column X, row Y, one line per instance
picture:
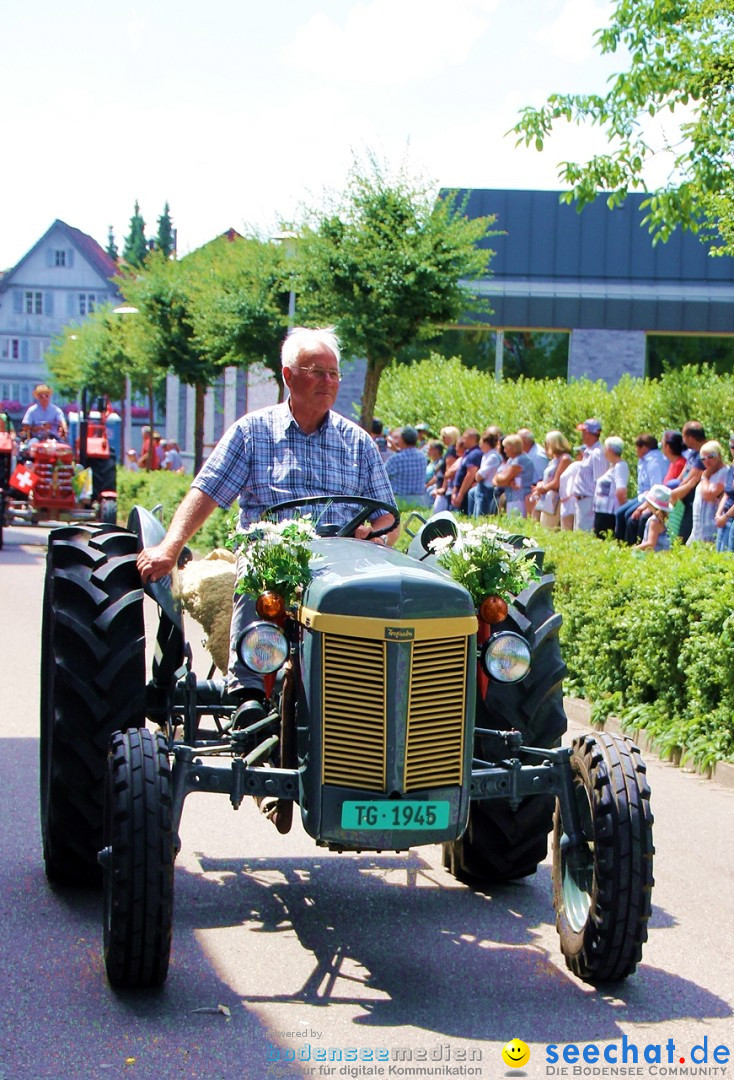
column 92, row 683
column 501, row 844
column 602, row 889
column 138, row 860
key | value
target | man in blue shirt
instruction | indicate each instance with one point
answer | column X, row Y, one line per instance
column 651, row 469
column 43, row 420
column 287, row 451
column 407, row 469
column 466, row 473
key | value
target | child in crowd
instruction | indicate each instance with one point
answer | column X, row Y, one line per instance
column 656, row 537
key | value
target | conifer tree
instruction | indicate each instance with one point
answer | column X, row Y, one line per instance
column 164, row 239
column 136, row 246
column 111, row 245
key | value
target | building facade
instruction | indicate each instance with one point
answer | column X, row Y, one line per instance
column 60, row 280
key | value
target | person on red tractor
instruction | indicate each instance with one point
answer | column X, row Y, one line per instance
column 43, row 420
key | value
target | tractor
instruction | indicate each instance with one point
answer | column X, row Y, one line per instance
column 399, row 713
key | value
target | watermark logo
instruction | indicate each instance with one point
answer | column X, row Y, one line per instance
column 516, row 1053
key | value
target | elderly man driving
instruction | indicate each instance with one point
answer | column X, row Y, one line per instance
column 296, row 449
column 43, row 420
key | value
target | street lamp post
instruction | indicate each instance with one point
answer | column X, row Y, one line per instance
column 127, row 418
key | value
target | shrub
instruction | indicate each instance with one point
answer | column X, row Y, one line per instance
column 167, row 489
column 440, row 392
column 649, row 638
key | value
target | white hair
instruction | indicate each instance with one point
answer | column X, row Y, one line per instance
column 306, row 339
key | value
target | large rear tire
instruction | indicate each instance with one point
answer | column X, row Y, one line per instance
column 92, row 683
column 501, row 844
column 602, row 891
column 138, row 861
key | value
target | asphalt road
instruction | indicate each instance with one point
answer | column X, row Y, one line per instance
column 305, row 949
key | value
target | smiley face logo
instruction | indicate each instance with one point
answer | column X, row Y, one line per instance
column 516, row 1053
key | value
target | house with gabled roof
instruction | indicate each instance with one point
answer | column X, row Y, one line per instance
column 62, row 279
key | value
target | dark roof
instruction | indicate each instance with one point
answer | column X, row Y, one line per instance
column 557, row 268
column 86, row 245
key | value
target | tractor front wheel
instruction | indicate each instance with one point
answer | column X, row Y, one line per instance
column 138, row 860
column 602, row 888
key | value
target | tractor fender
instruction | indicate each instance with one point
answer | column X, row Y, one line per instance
column 150, row 531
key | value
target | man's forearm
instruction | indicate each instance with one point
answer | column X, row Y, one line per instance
column 188, row 519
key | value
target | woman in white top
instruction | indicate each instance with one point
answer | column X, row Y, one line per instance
column 567, row 506
column 708, row 493
column 611, row 487
column 546, row 492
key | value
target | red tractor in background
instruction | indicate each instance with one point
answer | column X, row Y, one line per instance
column 59, row 481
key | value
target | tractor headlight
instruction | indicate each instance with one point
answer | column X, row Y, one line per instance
column 506, row 657
column 263, row 647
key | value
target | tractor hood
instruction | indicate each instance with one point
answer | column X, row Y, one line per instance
column 358, row 578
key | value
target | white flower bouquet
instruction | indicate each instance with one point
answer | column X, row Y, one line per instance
column 483, row 560
column 275, row 556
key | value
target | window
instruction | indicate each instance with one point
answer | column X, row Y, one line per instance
column 34, row 303
column 14, row 348
column 59, row 257
column 86, row 303
column 25, row 394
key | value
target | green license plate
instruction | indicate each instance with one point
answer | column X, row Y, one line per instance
column 406, row 814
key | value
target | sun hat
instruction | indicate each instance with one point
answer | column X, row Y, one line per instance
column 659, row 497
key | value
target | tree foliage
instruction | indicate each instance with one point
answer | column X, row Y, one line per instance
column 164, row 238
column 388, row 263
column 680, row 65
column 111, row 248
column 136, row 246
column 240, row 310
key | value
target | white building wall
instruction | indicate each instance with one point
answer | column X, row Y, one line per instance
column 62, row 292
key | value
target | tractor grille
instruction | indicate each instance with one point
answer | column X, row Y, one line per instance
column 435, row 743
column 354, row 712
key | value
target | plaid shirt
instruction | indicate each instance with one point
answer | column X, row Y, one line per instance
column 407, row 471
column 265, row 458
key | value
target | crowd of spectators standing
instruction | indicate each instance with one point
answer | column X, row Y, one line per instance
column 685, row 488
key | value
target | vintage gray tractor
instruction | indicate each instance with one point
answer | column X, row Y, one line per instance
column 396, row 717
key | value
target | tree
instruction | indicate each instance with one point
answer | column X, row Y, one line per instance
column 111, row 245
column 163, row 293
column 240, row 309
column 681, row 62
column 164, row 239
column 136, row 246
column 388, row 263
column 99, row 354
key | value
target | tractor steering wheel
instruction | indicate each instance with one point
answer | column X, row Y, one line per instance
column 369, row 506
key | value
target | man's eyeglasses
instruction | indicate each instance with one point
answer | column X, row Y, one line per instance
column 714, row 456
column 322, row 373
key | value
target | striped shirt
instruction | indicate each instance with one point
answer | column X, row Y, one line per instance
column 265, row 458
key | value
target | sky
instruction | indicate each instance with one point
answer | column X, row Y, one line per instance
column 240, row 113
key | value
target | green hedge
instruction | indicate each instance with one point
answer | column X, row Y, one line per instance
column 441, row 392
column 649, row 638
column 167, row 489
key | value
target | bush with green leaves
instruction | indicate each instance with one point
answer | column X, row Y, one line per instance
column 167, row 489
column 649, row 638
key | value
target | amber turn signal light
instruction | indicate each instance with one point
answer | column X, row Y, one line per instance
column 493, row 609
column 270, row 605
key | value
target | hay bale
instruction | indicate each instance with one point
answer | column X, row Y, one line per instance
column 205, row 588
